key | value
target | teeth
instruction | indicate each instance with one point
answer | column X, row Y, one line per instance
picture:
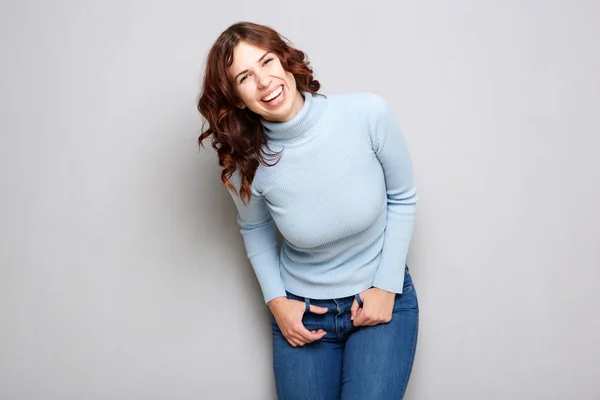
column 273, row 94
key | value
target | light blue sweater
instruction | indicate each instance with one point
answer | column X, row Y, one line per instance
column 342, row 196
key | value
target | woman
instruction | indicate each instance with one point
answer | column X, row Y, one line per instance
column 333, row 174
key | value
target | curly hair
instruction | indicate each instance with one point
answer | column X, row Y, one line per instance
column 237, row 134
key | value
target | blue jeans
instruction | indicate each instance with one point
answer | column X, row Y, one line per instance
column 364, row 363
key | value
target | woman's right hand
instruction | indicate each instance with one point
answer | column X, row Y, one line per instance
column 288, row 315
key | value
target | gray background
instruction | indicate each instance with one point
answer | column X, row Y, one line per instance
column 123, row 274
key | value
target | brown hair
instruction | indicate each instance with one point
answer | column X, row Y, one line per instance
column 237, row 134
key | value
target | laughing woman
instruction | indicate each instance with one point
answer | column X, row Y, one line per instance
column 334, row 175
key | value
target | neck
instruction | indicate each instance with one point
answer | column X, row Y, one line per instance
column 299, row 126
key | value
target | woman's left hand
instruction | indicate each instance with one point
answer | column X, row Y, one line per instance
column 377, row 308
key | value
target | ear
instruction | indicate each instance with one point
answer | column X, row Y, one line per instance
column 240, row 105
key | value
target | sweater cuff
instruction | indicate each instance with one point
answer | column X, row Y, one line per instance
column 390, row 278
column 269, row 278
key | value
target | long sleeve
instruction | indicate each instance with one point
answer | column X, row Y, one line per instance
column 392, row 152
column 258, row 230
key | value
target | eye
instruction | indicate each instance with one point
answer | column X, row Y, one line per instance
column 243, row 78
column 268, row 60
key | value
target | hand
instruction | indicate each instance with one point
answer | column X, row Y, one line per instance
column 288, row 314
column 377, row 308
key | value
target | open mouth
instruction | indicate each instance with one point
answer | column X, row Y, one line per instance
column 273, row 95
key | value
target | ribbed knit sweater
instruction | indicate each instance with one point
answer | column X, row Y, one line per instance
column 342, row 195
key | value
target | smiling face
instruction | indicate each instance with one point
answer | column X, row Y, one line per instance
column 263, row 85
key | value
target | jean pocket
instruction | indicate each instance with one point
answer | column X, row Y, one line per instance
column 406, row 300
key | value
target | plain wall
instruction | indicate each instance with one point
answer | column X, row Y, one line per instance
column 122, row 271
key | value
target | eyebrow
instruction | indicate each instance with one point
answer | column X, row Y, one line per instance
column 244, row 71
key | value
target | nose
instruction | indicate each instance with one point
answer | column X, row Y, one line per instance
column 263, row 80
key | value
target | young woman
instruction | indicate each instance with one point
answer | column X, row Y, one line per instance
column 333, row 174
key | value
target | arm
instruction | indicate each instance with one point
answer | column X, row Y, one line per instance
column 258, row 230
column 392, row 152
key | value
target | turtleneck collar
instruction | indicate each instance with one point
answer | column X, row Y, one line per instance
column 296, row 128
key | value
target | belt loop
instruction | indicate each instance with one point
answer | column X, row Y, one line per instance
column 307, row 304
column 358, row 300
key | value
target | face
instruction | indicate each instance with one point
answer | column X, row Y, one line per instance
column 263, row 85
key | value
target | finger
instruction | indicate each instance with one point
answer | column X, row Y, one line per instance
column 297, row 340
column 303, row 341
column 361, row 319
column 318, row 310
column 318, row 336
column 358, row 313
column 307, row 336
column 293, row 338
column 353, row 310
column 368, row 320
